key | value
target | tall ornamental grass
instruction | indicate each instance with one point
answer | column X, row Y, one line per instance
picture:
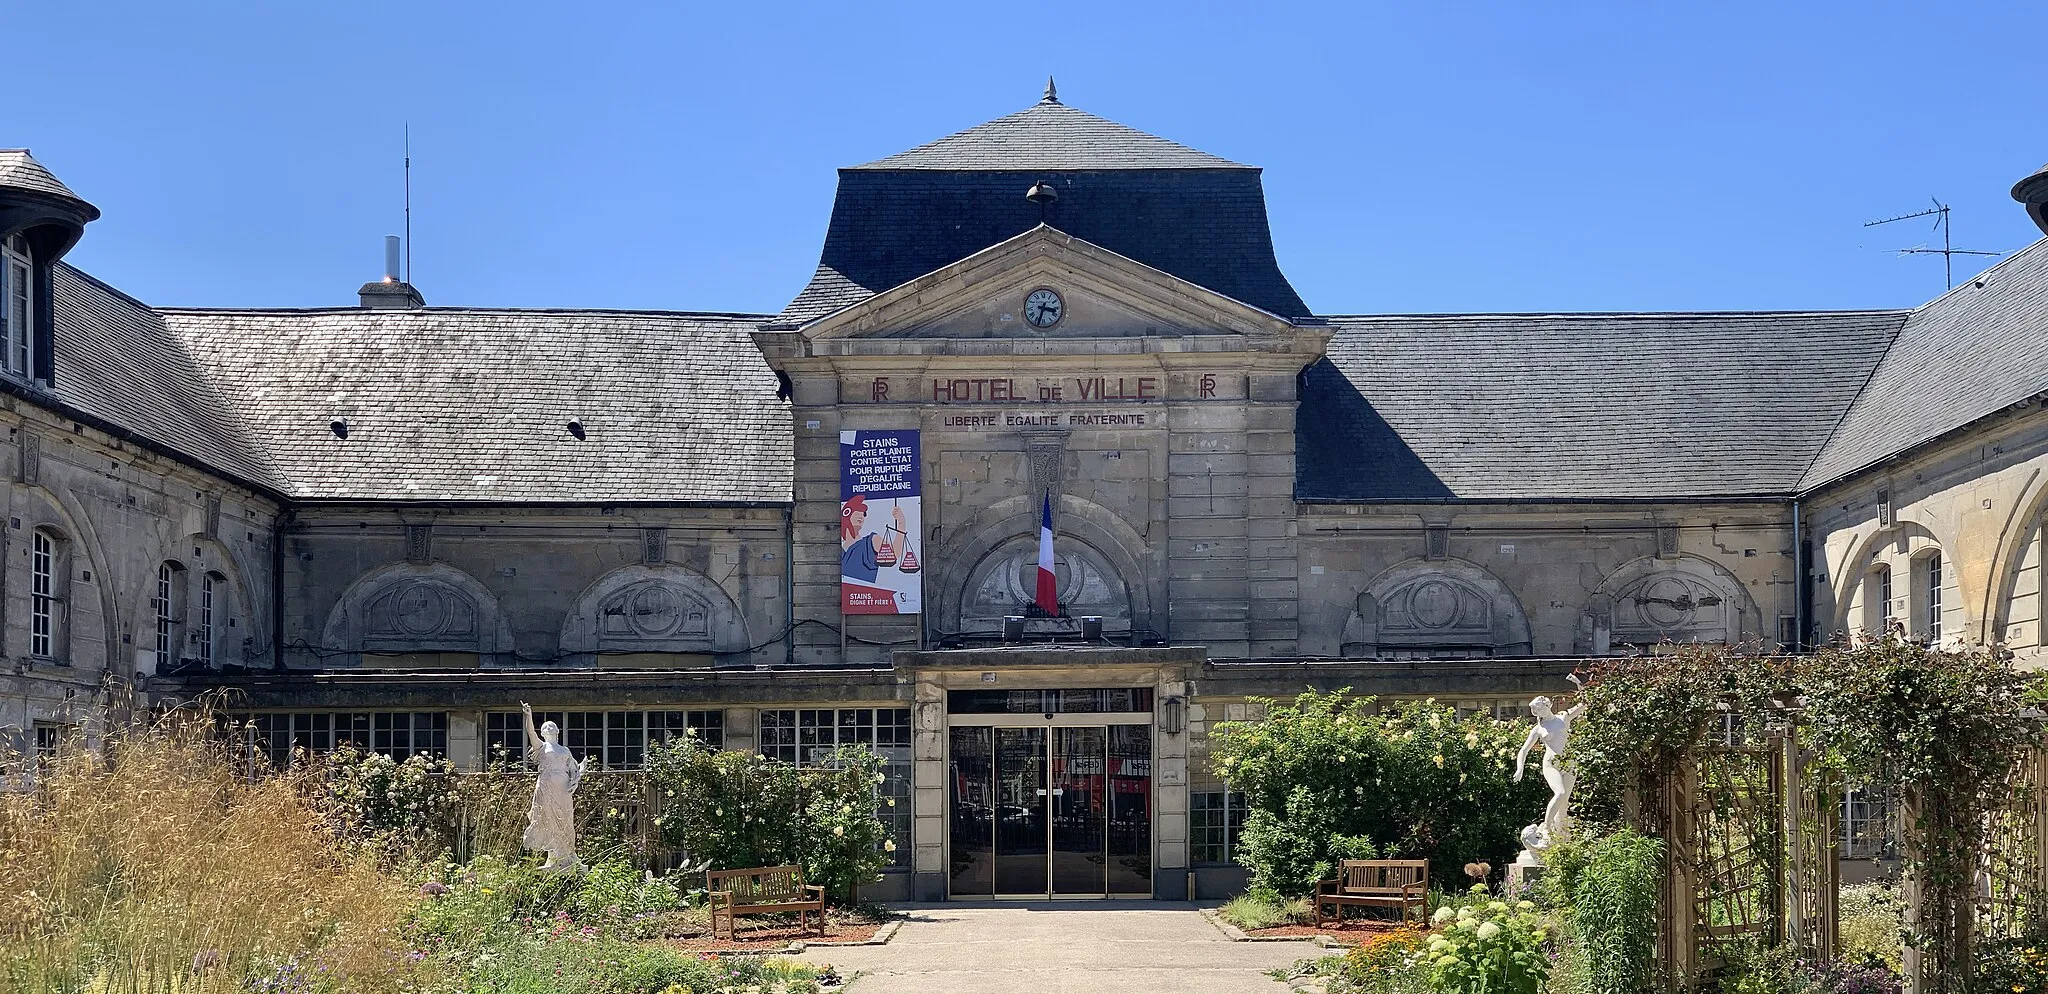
column 150, row 865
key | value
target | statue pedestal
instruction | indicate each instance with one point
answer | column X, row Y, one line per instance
column 1521, row 877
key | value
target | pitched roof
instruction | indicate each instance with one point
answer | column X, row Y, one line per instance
column 1592, row 406
column 889, row 227
column 450, row 404
column 116, row 362
column 1195, row 215
column 1051, row 136
column 1971, row 352
column 20, row 170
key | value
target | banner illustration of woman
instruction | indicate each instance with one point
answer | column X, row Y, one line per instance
column 860, row 556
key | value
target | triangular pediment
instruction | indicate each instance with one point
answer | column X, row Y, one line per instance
column 1102, row 295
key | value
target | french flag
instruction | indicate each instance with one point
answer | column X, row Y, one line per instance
column 1048, row 598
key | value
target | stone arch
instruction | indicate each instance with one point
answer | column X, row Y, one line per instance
column 1682, row 599
column 1437, row 607
column 2028, row 525
column 1005, row 580
column 238, row 637
column 88, row 599
column 1114, row 549
column 654, row 609
column 408, row 607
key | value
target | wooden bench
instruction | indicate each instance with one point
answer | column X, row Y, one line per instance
column 764, row 890
column 1378, row 883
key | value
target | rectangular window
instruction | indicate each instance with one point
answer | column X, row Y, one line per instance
column 614, row 740
column 1884, row 598
column 42, row 599
column 161, row 604
column 1934, row 597
column 279, row 736
column 808, row 736
column 1867, row 825
column 1215, row 818
column 205, row 632
column 16, row 306
column 1118, row 700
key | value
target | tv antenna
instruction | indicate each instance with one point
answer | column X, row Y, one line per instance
column 1947, row 251
column 408, row 203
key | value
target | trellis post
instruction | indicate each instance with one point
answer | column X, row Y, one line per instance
column 1681, row 911
column 1799, row 872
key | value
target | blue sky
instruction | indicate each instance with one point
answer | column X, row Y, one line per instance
column 1418, row 157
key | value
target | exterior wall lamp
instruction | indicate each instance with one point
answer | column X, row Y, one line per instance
column 1173, row 713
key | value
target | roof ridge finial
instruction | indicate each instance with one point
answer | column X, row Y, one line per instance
column 1052, row 93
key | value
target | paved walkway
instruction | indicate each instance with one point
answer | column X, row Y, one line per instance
column 1093, row 947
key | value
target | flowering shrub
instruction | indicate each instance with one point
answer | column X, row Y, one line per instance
column 390, row 804
column 1414, row 777
column 739, row 810
column 2015, row 967
column 1872, row 923
column 1385, row 952
column 1490, row 948
column 1782, row 971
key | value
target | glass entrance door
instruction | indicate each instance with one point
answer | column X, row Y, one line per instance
column 1078, row 815
column 1021, row 840
column 1060, row 811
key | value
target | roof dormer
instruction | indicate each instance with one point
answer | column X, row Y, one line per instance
column 40, row 219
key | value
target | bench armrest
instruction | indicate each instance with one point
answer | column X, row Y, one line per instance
column 1419, row 885
column 818, row 889
column 712, row 897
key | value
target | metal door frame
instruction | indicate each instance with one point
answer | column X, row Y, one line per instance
column 1098, row 719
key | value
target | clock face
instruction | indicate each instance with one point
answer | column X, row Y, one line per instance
column 1043, row 308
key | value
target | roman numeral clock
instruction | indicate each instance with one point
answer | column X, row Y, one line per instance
column 1043, row 308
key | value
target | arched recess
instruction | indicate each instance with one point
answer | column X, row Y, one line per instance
column 1437, row 608
column 2022, row 553
column 1898, row 547
column 85, row 598
column 1006, row 579
column 238, row 635
column 1113, row 549
column 1682, row 599
column 654, row 609
column 409, row 608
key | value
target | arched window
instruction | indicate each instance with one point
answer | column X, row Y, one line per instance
column 17, row 307
column 43, row 563
column 211, row 587
column 167, row 606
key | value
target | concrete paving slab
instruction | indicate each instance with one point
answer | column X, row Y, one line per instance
column 1094, row 947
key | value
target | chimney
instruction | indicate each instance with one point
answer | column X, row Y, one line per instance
column 391, row 293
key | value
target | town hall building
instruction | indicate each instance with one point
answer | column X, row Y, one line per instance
column 391, row 523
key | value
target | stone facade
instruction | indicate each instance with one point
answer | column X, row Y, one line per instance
column 398, row 524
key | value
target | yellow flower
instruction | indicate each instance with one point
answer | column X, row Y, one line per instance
column 1438, row 759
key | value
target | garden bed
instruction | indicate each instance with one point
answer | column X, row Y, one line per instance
column 771, row 935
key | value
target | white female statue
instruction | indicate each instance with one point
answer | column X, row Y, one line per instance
column 1552, row 731
column 551, row 820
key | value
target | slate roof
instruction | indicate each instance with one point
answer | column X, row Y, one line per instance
column 451, row 404
column 1185, row 212
column 1052, row 137
column 116, row 362
column 1591, row 406
column 20, row 170
column 1971, row 352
